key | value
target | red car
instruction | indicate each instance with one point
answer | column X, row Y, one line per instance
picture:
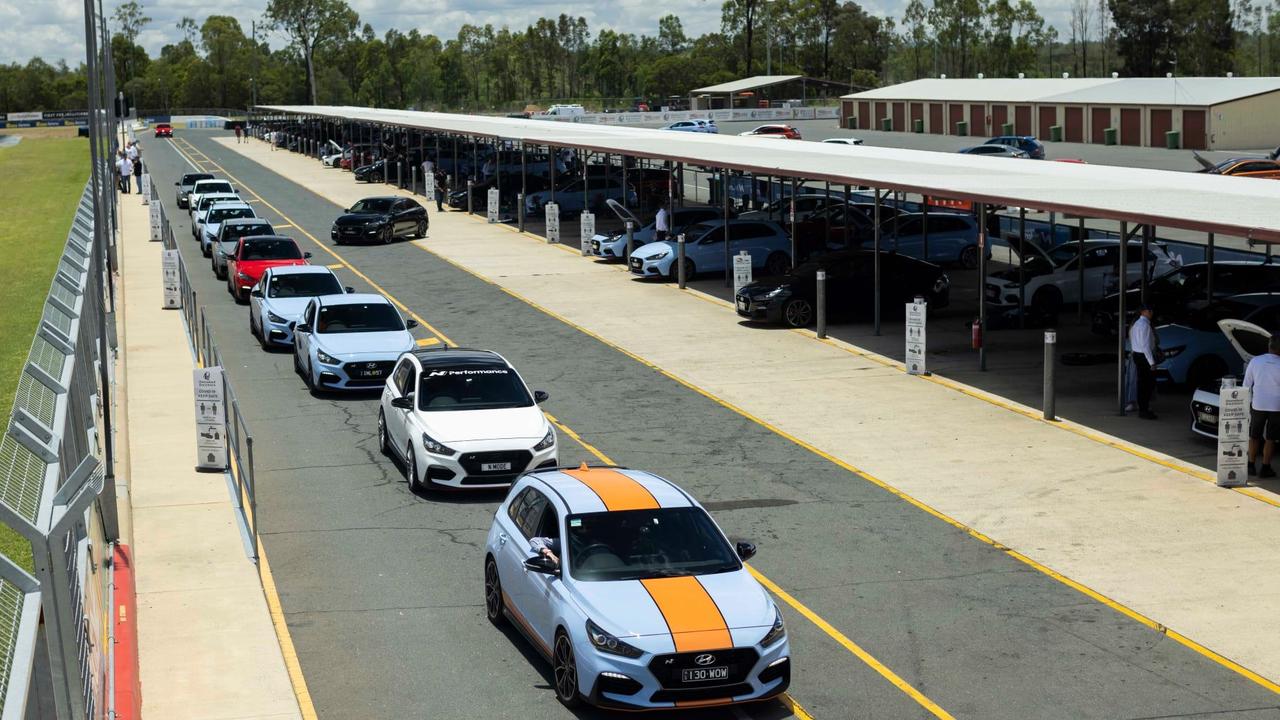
column 164, row 130
column 252, row 258
column 774, row 131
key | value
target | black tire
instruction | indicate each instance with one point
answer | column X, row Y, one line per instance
column 262, row 335
column 387, row 235
column 565, row 667
column 421, row 230
column 384, row 446
column 777, row 264
column 411, row 471
column 493, row 605
column 690, row 269
column 297, row 366
column 307, row 379
column 797, row 312
column 968, row 257
column 1205, row 369
column 1047, row 301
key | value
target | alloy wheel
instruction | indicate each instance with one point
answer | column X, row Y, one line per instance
column 566, row 669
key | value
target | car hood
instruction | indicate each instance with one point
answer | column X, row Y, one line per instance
column 527, row 423
column 287, row 308
column 626, row 608
column 359, row 218
column 654, row 249
column 357, row 345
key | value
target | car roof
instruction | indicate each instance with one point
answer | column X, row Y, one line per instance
column 588, row 489
column 196, row 177
column 214, row 179
column 224, row 204
column 434, row 357
column 245, row 221
column 299, row 270
column 353, row 299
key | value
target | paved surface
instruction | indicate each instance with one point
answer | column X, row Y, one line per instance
column 207, row 647
column 382, row 588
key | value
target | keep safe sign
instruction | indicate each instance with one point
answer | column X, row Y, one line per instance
column 553, row 222
column 1233, row 434
column 157, row 233
column 492, row 213
column 169, row 269
column 917, row 317
column 587, row 230
column 741, row 271
column 211, row 419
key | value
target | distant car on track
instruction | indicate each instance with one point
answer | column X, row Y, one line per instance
column 648, row 605
column 696, row 126
column 463, row 419
column 773, row 131
column 224, row 246
column 252, row 258
column 349, row 342
column 380, row 219
column 164, row 130
column 277, row 301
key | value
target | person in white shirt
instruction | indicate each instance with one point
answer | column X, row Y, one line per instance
column 125, row 168
column 1262, row 376
column 1142, row 348
column 662, row 224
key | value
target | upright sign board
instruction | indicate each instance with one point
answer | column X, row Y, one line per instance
column 553, row 222
column 145, row 188
column 493, row 205
column 587, row 230
column 1233, row 434
column 169, row 268
column 429, row 183
column 917, row 316
column 157, row 234
column 211, row 419
column 741, row 271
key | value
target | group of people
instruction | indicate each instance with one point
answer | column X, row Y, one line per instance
column 129, row 164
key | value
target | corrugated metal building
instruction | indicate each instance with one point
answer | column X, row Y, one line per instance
column 1216, row 113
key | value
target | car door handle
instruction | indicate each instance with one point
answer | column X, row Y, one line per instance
column 502, row 538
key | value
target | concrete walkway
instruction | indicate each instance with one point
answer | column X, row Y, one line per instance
column 1124, row 524
column 207, row 647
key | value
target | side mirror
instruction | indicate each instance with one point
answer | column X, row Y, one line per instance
column 306, row 256
column 256, row 292
column 349, row 289
column 177, row 183
column 302, row 328
column 404, row 403
column 542, row 565
column 540, row 396
column 411, row 323
column 746, row 550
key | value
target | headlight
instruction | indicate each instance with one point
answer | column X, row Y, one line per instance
column 326, row 358
column 606, row 643
column 275, row 318
column 547, row 441
column 659, row 256
column 436, row 448
column 243, row 276
column 777, row 632
column 1173, row 352
column 775, row 292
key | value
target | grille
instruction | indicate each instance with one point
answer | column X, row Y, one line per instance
column 719, row 692
column 666, row 668
column 519, row 460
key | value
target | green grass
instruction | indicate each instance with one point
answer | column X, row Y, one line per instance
column 43, row 178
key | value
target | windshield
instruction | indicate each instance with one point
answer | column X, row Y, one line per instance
column 1186, row 279
column 217, row 215
column 268, row 249
column 471, row 388
column 213, row 187
column 358, row 317
column 643, row 544
column 303, row 285
column 372, row 205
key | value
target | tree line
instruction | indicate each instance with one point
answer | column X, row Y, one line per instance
column 304, row 51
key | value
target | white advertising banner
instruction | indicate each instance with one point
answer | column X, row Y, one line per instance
column 492, row 213
column 169, row 268
column 211, row 421
column 553, row 222
column 917, row 317
column 1233, row 434
column 586, row 231
column 157, row 233
column 741, row 271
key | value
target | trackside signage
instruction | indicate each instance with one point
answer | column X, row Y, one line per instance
column 1233, row 434
column 917, row 316
column 553, row 222
column 587, row 230
column 169, row 269
column 492, row 213
column 211, row 421
column 741, row 271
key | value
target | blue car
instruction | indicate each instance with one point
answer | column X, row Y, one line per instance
column 280, row 297
column 570, row 197
column 953, row 238
column 349, row 342
column 614, row 247
column 639, row 601
column 697, row 126
column 1198, row 351
column 767, row 242
column 1026, row 143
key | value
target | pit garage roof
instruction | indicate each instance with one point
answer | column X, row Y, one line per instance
column 1242, row 207
column 751, row 83
column 1193, row 91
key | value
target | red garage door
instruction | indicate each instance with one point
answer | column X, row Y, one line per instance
column 935, row 119
column 1099, row 121
column 956, row 114
column 1022, row 120
column 917, row 113
column 899, row 116
column 977, row 119
column 999, row 116
column 846, row 112
column 1074, row 131
column 1130, row 126
column 1161, row 123
column 882, row 112
column 864, row 118
column 1193, row 130
column 1048, row 118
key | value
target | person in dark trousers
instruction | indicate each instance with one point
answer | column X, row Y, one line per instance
column 441, row 183
column 1142, row 347
column 1262, row 376
column 137, row 167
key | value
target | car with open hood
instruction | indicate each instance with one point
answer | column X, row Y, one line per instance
column 569, row 197
column 766, row 242
column 463, row 419
column 1248, row 341
column 254, row 255
column 613, row 246
column 639, row 600
column 349, row 342
column 380, row 219
column 1265, row 168
column 277, row 301
column 1179, row 293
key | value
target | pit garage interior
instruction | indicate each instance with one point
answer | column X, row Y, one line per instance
column 1195, row 113
column 1190, row 216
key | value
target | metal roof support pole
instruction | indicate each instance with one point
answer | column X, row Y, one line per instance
column 524, row 173
column 982, row 276
column 680, row 179
column 827, row 236
column 475, row 159
column 875, row 222
column 671, row 192
column 1209, row 271
column 497, row 174
column 1080, row 271
column 924, row 226
column 897, row 210
column 794, row 244
column 1147, row 232
column 586, row 184
column 453, row 175
column 724, row 198
column 1022, row 272
column 551, row 162
column 844, row 216
column 1122, row 317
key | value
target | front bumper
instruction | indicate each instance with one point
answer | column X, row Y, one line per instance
column 364, row 374
column 610, row 247
column 278, row 333
column 639, row 687
column 650, row 268
column 759, row 310
column 465, row 468
column 1204, row 417
column 354, row 233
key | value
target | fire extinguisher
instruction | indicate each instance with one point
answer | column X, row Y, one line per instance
column 977, row 334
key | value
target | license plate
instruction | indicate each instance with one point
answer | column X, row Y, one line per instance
column 348, row 231
column 1208, row 419
column 742, row 304
column 369, row 373
column 494, row 467
column 694, row 675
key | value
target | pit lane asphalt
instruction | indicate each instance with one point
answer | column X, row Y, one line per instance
column 382, row 590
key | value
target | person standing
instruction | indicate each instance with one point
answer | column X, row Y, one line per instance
column 1262, row 376
column 137, row 165
column 1142, row 348
column 239, row 133
column 442, row 181
column 662, row 223
column 125, row 168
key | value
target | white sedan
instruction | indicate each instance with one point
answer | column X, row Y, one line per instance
column 844, row 141
column 1052, row 277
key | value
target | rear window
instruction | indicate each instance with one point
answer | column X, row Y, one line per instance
column 217, row 215
column 214, row 187
column 271, row 249
column 235, row 231
column 303, row 285
column 471, row 387
column 192, row 178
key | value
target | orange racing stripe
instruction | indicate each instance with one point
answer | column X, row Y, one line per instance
column 616, row 491
column 691, row 614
